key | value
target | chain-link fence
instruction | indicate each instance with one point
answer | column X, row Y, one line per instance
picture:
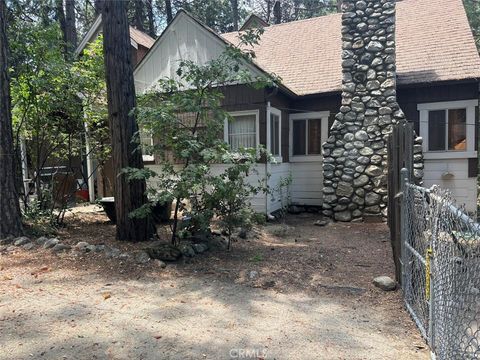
column 441, row 271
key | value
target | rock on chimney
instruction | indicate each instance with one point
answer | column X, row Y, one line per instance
column 355, row 154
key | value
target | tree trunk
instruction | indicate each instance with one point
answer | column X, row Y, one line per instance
column 151, row 22
column 139, row 15
column 168, row 10
column 235, row 14
column 10, row 216
column 277, row 12
column 121, row 101
column 70, row 26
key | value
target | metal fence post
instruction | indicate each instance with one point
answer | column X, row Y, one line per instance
column 403, row 222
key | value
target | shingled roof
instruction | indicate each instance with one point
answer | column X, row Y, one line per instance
column 434, row 43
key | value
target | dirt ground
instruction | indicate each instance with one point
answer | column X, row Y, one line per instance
column 293, row 291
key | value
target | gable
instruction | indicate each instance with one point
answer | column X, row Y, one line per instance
column 183, row 39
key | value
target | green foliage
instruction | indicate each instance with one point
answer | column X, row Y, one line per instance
column 472, row 7
column 51, row 98
column 186, row 117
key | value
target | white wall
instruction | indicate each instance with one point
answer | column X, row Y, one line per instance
column 258, row 201
column 463, row 188
column 278, row 197
column 307, row 183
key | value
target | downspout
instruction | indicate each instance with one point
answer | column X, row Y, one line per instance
column 266, row 160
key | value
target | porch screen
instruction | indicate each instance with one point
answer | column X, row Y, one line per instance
column 242, row 132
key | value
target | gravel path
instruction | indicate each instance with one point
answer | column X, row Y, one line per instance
column 59, row 307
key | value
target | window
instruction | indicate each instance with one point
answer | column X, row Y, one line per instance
column 307, row 137
column 448, row 127
column 447, row 130
column 275, row 132
column 146, row 141
column 242, row 130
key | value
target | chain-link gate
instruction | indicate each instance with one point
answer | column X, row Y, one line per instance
column 441, row 271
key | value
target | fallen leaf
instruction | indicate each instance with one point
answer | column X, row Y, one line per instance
column 157, row 336
column 7, row 277
column 106, row 295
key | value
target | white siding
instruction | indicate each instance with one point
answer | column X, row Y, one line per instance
column 463, row 188
column 184, row 39
column 277, row 172
column 307, row 183
column 258, row 201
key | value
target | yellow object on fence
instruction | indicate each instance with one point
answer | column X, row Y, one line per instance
column 428, row 255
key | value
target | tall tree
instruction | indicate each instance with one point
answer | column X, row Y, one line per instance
column 235, row 14
column 70, row 26
column 277, row 12
column 150, row 18
column 168, row 11
column 139, row 15
column 129, row 195
column 10, row 216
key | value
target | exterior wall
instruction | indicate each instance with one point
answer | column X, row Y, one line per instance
column 463, row 188
column 183, row 39
column 307, row 184
column 258, row 202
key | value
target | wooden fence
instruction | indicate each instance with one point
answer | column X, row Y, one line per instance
column 400, row 155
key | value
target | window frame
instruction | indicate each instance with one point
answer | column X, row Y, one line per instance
column 147, row 157
column 469, row 106
column 243, row 113
column 323, row 116
column 272, row 110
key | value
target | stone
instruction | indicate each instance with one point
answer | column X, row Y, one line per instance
column 50, row 243
column 361, row 135
column 159, row 263
column 21, row 241
column 186, row 250
column 112, row 252
column 373, row 85
column 252, row 274
column 81, row 246
column 366, row 151
column 59, row 247
column 166, row 252
column 374, row 46
column 200, row 247
column 321, row 222
column 373, row 170
column 29, row 246
column 385, row 283
column 343, row 216
column 142, row 257
column 41, row 240
column 372, row 198
column 361, row 181
column 344, row 189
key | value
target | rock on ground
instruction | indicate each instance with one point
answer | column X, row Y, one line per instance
column 61, row 247
column 385, row 283
column 21, row 241
column 50, row 243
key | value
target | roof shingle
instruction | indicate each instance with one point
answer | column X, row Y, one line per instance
column 434, row 43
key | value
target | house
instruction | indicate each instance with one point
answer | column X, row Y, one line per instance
column 437, row 86
column 140, row 44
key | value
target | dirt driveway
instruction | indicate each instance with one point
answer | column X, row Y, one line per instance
column 296, row 292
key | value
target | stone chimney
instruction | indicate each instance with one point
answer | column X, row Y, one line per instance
column 355, row 154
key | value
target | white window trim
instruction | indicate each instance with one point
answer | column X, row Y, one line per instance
column 446, row 105
column 148, row 157
column 277, row 112
column 240, row 113
column 323, row 115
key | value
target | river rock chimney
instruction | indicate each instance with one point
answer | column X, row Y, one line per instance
column 355, row 154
